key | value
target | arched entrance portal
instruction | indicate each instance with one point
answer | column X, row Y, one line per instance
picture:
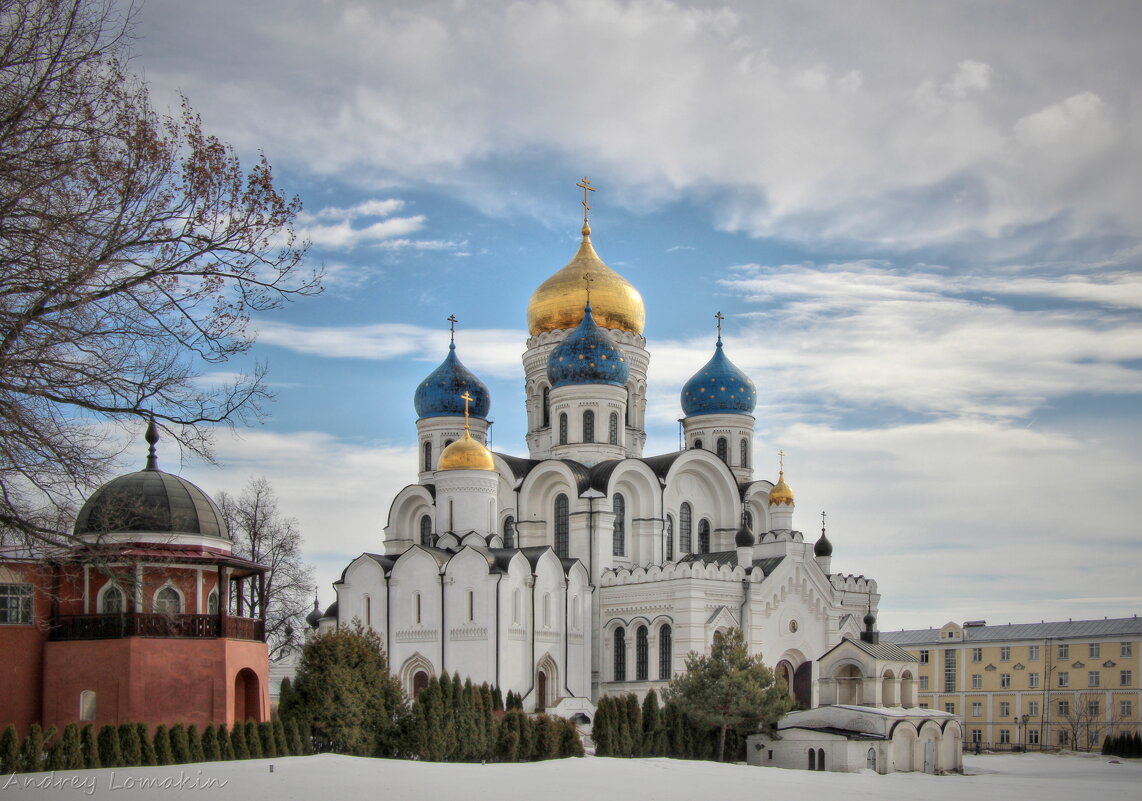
column 419, row 682
column 803, row 685
column 247, row 696
column 541, row 692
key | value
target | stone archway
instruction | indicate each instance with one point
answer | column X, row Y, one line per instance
column 247, row 696
column 803, row 685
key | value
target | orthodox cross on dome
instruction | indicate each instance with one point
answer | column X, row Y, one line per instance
column 719, row 317
column 467, row 397
column 587, row 279
column 585, row 184
column 822, row 523
column 781, row 461
column 452, row 326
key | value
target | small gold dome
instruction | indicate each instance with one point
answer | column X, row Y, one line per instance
column 781, row 494
column 558, row 302
column 466, row 454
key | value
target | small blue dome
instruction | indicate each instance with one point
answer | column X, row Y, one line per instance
column 439, row 394
column 718, row 388
column 587, row 356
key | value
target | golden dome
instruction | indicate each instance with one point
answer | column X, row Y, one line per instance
column 466, row 454
column 781, row 494
column 558, row 302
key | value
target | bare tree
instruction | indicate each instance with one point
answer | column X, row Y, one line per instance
column 262, row 534
column 1084, row 719
column 133, row 249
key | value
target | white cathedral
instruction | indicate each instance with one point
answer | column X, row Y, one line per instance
column 589, row 568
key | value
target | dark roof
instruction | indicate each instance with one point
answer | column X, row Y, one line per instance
column 661, row 464
column 519, row 466
column 885, row 651
column 767, row 565
column 848, row 733
column 1122, row 626
column 150, row 501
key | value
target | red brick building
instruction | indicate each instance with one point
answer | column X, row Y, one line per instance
column 149, row 617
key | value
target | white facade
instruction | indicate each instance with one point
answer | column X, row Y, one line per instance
column 588, row 568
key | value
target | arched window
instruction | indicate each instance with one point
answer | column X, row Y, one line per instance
column 628, row 408
column 812, row 759
column 620, row 654
column 641, row 655
column 665, row 652
column 745, row 453
column 723, row 450
column 820, row 759
column 619, row 536
column 426, row 530
column 471, row 606
column 546, row 407
column 168, row 602
column 669, row 538
column 562, row 526
column 448, row 442
column 704, row 536
column 212, row 602
column 87, row 707
column 112, row 603
column 419, row 682
column 427, row 456
column 509, row 532
column 697, row 444
column 588, row 426
column 685, row 528
column 562, row 428
column 416, row 608
column 367, row 603
column 613, row 435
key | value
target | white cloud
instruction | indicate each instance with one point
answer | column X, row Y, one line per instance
column 342, row 234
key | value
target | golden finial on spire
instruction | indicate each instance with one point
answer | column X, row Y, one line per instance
column 719, row 317
column 467, row 397
column 452, row 326
column 585, row 184
column 781, row 494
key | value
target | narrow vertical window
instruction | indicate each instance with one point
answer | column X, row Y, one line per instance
column 509, row 532
column 562, row 428
column 471, row 606
column 416, row 608
column 669, row 538
column 723, row 450
column 685, row 528
column 704, row 536
column 547, row 610
column 426, row 530
column 212, row 602
column 546, row 407
column 368, row 611
column 588, row 426
column 620, row 654
column 665, row 652
column 562, row 526
column 613, row 435
column 745, row 453
column 516, row 606
column 619, row 537
column 87, row 705
column 642, row 655
column 427, row 456
column 628, row 408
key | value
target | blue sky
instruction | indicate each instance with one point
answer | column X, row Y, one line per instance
column 920, row 220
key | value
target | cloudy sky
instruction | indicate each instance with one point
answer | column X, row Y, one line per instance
column 922, row 221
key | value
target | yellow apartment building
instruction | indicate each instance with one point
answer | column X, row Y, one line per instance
column 1066, row 684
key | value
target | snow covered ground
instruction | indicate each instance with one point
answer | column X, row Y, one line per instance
column 1039, row 777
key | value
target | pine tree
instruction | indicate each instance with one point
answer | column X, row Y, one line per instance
column 306, row 737
column 55, row 759
column 600, row 727
column 72, row 748
column 89, row 744
column 1136, row 745
column 210, row 749
column 651, row 726
column 225, row 745
column 467, row 744
column 281, row 742
column 10, row 751
column 180, row 746
column 146, row 745
column 546, row 738
column 194, row 744
column 129, row 747
column 507, row 739
column 570, row 744
column 634, row 721
column 266, row 740
column 475, row 710
column 497, row 700
column 238, row 741
column 285, row 699
column 109, row 752
column 293, row 737
column 253, row 741
column 162, row 745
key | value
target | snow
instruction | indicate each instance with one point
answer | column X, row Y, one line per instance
column 1042, row 777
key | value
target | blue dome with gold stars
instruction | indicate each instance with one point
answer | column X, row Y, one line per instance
column 719, row 388
column 587, row 356
column 439, row 394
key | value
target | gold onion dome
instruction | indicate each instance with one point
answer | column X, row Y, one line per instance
column 558, row 302
column 781, row 495
column 466, row 454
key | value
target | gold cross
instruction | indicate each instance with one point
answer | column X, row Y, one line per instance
column 719, row 316
column 587, row 279
column 467, row 396
column 586, row 186
column 781, row 456
column 452, row 325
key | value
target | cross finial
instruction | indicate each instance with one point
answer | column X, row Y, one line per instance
column 719, row 317
column 585, row 184
column 588, row 277
column 467, row 396
column 452, row 326
column 781, row 460
column 822, row 522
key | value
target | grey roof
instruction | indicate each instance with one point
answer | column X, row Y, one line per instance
column 884, row 651
column 520, row 467
column 150, row 501
column 1063, row 629
column 766, row 566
